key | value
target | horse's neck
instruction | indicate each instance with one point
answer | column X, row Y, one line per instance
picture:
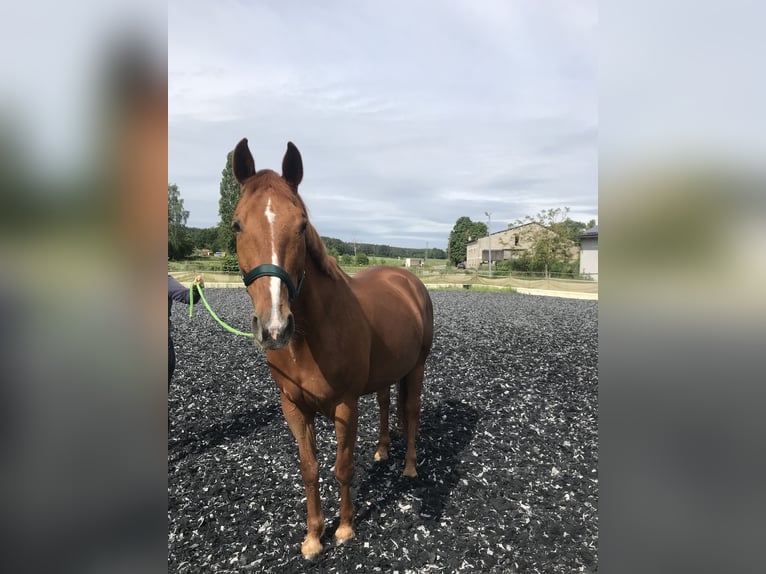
column 316, row 298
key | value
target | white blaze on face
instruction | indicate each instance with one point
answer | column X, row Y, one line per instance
column 275, row 281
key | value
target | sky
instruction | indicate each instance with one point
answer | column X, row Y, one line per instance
column 408, row 115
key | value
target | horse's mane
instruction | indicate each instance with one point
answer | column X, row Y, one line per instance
column 316, row 250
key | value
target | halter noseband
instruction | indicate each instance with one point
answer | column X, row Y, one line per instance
column 274, row 271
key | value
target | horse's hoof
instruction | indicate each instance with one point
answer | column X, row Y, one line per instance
column 344, row 534
column 311, row 548
column 381, row 454
column 410, row 472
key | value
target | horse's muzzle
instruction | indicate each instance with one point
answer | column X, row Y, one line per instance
column 275, row 334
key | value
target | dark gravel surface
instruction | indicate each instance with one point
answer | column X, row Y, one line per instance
column 507, row 452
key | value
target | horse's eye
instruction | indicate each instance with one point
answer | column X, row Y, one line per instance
column 302, row 230
column 235, row 226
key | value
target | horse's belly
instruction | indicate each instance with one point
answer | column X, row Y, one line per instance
column 387, row 369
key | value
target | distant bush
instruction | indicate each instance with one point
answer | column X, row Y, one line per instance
column 528, row 264
column 230, row 264
column 346, row 259
column 503, row 265
column 362, row 259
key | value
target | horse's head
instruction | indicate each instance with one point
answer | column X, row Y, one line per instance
column 270, row 222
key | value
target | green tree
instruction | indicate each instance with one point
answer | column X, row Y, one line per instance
column 552, row 242
column 179, row 241
column 227, row 203
column 203, row 238
column 340, row 246
column 573, row 228
column 459, row 237
column 576, row 228
column 362, row 259
column 384, row 251
column 436, row 253
column 346, row 259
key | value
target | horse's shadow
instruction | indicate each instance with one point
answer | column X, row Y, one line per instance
column 445, row 431
column 236, row 426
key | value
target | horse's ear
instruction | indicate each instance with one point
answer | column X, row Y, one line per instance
column 242, row 162
column 292, row 165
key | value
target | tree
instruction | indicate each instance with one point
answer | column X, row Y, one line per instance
column 459, row 236
column 553, row 240
column 383, row 251
column 576, row 228
column 573, row 228
column 361, row 259
column 436, row 253
column 340, row 246
column 203, row 238
column 179, row 242
column 346, row 259
column 227, row 203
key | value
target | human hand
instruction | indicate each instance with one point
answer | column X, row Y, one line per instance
column 198, row 280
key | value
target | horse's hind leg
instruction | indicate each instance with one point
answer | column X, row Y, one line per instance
column 401, row 418
column 413, row 382
column 384, row 440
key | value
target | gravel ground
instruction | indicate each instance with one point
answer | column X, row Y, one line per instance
column 507, row 452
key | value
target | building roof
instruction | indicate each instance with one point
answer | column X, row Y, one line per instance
column 592, row 232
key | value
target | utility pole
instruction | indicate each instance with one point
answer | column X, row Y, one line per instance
column 489, row 236
column 426, row 257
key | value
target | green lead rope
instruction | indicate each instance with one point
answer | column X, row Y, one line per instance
column 212, row 313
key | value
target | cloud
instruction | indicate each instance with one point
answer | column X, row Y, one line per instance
column 407, row 118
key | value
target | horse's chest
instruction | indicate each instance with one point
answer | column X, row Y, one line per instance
column 307, row 382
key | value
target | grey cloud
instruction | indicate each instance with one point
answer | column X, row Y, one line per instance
column 409, row 120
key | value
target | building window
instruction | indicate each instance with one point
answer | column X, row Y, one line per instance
column 516, row 239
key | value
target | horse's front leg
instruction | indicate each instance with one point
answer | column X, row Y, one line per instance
column 302, row 426
column 346, row 417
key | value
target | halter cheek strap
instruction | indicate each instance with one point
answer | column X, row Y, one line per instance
column 267, row 269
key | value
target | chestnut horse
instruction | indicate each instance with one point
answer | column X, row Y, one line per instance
column 329, row 338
